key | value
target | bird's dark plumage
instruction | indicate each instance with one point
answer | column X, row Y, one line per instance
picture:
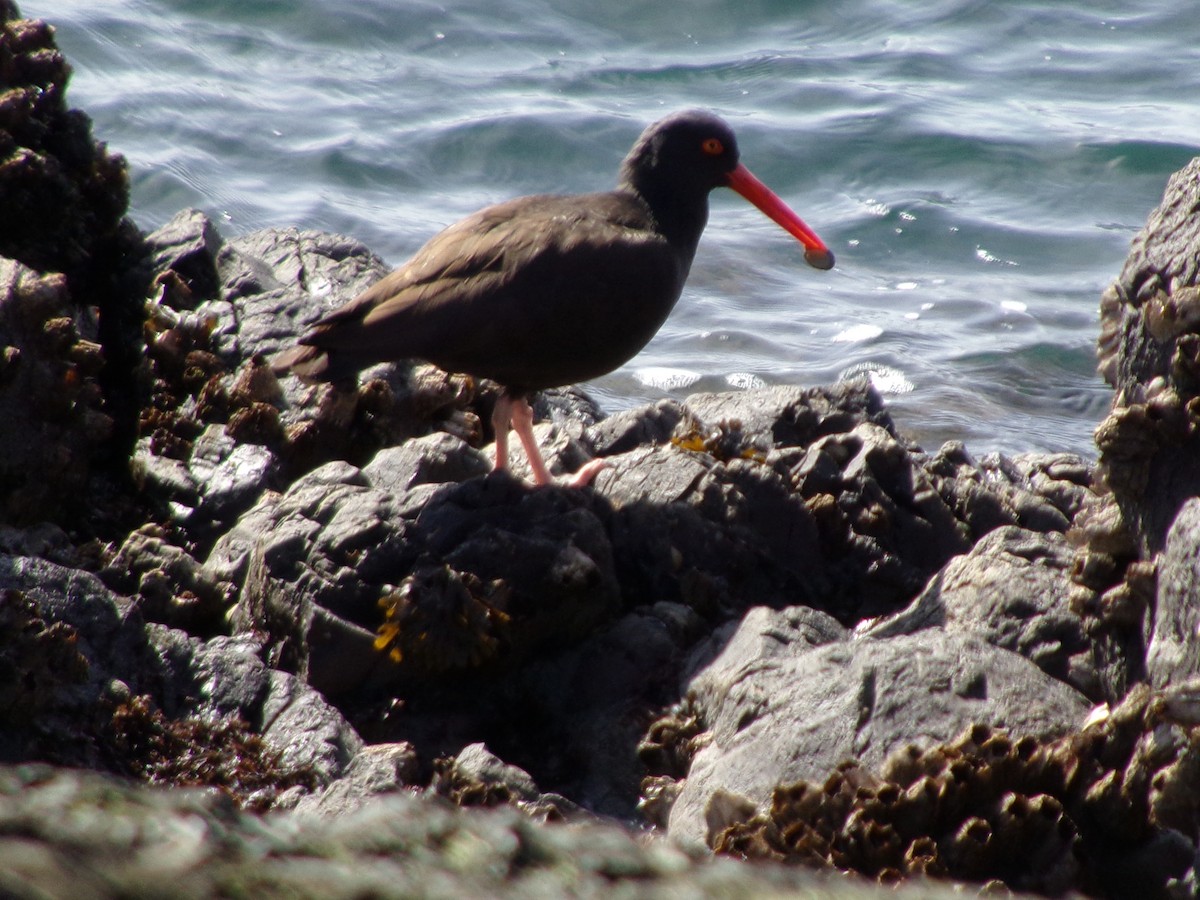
column 548, row 290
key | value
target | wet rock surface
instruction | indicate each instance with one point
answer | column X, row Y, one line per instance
column 772, row 627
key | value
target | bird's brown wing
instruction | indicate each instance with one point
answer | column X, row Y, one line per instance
column 533, row 292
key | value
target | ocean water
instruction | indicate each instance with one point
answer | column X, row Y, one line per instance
column 979, row 168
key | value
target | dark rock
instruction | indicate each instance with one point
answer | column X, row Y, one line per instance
column 878, row 512
column 188, row 245
column 1013, row 590
column 546, row 552
column 140, row 682
column 51, row 401
column 589, row 704
column 786, row 416
column 64, row 194
column 527, row 568
column 625, row 431
column 797, row 716
column 65, row 197
column 1041, row 492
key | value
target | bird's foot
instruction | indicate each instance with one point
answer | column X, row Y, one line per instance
column 586, row 474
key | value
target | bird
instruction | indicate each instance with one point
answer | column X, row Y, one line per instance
column 548, row 290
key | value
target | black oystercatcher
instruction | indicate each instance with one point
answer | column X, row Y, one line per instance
column 545, row 291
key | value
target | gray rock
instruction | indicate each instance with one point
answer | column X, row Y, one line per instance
column 78, row 834
column 185, row 677
column 477, row 763
column 434, row 459
column 798, row 716
column 1174, row 652
column 729, row 655
column 376, row 769
column 279, row 281
column 1013, row 590
column 1149, row 351
column 220, row 479
column 1039, row 491
column 630, row 429
column 787, row 416
column 189, row 245
column 306, row 730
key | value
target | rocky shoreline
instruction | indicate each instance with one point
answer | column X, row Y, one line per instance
column 775, row 648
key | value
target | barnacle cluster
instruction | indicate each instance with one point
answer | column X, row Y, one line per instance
column 1113, row 804
column 667, row 751
column 37, row 660
column 465, row 789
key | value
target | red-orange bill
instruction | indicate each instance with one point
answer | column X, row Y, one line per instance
column 816, row 254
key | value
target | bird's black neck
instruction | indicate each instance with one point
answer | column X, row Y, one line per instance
column 680, row 215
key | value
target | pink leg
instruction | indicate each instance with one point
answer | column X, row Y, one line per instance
column 522, row 423
column 516, row 412
column 501, row 422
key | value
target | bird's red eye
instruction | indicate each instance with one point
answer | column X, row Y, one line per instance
column 712, row 146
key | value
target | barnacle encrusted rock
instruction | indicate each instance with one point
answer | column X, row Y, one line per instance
column 1149, row 351
column 1106, row 810
column 64, row 201
column 51, row 402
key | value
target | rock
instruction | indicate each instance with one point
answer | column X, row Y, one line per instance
column 140, row 682
column 1149, row 351
column 188, row 245
column 1042, row 492
column 774, row 579
column 170, row 585
column 434, row 459
column 797, row 716
column 544, row 555
column 65, row 193
column 306, row 730
column 878, row 512
column 590, row 703
column 220, row 478
column 727, row 657
column 376, row 769
column 629, row 429
column 1173, row 655
column 278, row 282
column 1013, row 590
column 51, row 399
column 1022, row 814
column 80, row 834
column 65, row 197
column 786, row 416
column 524, row 569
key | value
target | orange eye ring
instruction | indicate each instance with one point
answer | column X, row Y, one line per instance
column 712, row 146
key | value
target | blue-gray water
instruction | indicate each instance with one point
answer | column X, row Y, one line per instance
column 978, row 167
